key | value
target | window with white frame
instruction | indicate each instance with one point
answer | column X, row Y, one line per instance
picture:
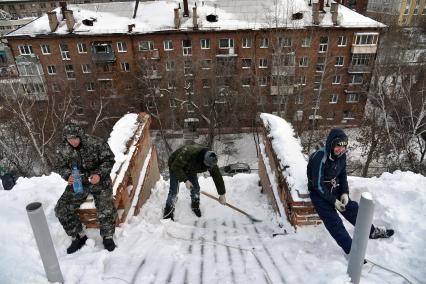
column 246, row 63
column 264, row 42
column 170, row 65
column 81, row 47
column 206, row 83
column 246, row 81
column 316, row 101
column 304, row 61
column 187, row 47
column 306, row 42
column 298, row 115
column 56, row 88
column 356, row 79
column 86, row 68
column 247, row 42
column 146, row 45
column 298, row 99
column 361, row 59
column 284, row 41
column 348, row 114
column 205, row 43
column 263, row 81
column 334, row 98
column 339, row 61
column 125, row 67
column 302, row 80
column 226, row 43
column 45, row 49
column 90, row 86
column 263, row 63
column 320, row 64
column 187, row 67
column 206, row 64
column 366, row 39
column 172, row 102
column 342, row 40
column 323, row 44
column 69, row 70
column 168, row 44
column 65, row 52
column 317, row 81
column 51, row 69
column 352, row 98
column 336, row 79
column 171, row 84
column 122, row 46
column 26, row 49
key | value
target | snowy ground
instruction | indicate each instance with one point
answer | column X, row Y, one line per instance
column 192, row 250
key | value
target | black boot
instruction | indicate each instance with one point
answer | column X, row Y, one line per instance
column 381, row 232
column 109, row 244
column 195, row 205
column 168, row 212
column 76, row 244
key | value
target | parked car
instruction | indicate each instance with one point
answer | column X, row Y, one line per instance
column 235, row 168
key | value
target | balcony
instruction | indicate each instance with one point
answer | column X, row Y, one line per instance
column 282, row 90
column 359, row 68
column 370, row 48
column 102, row 53
column 283, row 70
column 151, row 54
column 226, row 52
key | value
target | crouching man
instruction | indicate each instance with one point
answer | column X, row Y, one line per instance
column 94, row 160
column 184, row 164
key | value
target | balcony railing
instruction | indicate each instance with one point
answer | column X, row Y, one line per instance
column 360, row 68
column 372, row 48
column 285, row 90
column 232, row 51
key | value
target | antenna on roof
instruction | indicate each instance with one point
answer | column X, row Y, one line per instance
column 136, row 9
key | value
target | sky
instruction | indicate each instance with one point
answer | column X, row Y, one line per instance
column 223, row 245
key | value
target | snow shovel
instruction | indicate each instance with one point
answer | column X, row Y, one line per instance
column 233, row 207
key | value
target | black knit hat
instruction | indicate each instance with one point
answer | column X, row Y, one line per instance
column 210, row 159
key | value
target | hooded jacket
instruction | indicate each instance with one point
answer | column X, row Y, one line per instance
column 190, row 160
column 323, row 167
column 92, row 156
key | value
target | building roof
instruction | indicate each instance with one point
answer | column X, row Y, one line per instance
column 154, row 16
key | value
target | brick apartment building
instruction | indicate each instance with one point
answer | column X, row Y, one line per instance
column 311, row 62
column 401, row 13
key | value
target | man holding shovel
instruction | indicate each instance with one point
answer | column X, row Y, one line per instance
column 184, row 165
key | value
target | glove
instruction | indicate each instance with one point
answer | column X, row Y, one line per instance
column 339, row 205
column 344, row 199
column 188, row 185
column 222, row 199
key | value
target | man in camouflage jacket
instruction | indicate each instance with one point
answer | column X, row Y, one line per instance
column 95, row 160
column 184, row 164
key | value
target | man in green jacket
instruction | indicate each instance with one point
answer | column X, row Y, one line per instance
column 184, row 164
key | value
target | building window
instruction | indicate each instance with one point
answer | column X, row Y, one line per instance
column 317, row 81
column 304, row 62
column 246, row 81
column 246, row 63
column 146, row 45
column 298, row 99
column 53, row 5
column 122, row 46
column 264, row 42
column 206, row 83
column 263, row 63
column 65, row 52
column 339, row 61
column 69, row 70
column 298, row 115
column 226, row 43
column 306, row 42
column 356, row 79
column 187, row 47
column 342, row 41
column 56, row 88
column 366, row 39
column 302, row 80
column 22, row 6
column 247, row 42
column 26, row 49
column 168, row 44
column 336, row 79
column 170, row 65
column 90, row 86
column 86, row 68
column 348, row 114
column 206, row 64
column 171, row 85
column 352, row 98
column 125, row 67
column 334, row 98
column 45, row 49
column 361, row 59
column 320, row 64
column 42, row 5
column 51, row 69
column 187, row 67
column 205, row 43
column 81, row 47
column 284, row 41
column 323, row 44
column 263, row 81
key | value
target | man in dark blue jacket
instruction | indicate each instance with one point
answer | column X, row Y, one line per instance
column 328, row 188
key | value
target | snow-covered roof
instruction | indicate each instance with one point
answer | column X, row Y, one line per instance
column 153, row 16
column 288, row 149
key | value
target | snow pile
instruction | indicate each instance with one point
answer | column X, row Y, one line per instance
column 151, row 249
column 289, row 151
column 122, row 132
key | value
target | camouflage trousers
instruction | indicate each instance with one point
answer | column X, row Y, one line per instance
column 69, row 202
